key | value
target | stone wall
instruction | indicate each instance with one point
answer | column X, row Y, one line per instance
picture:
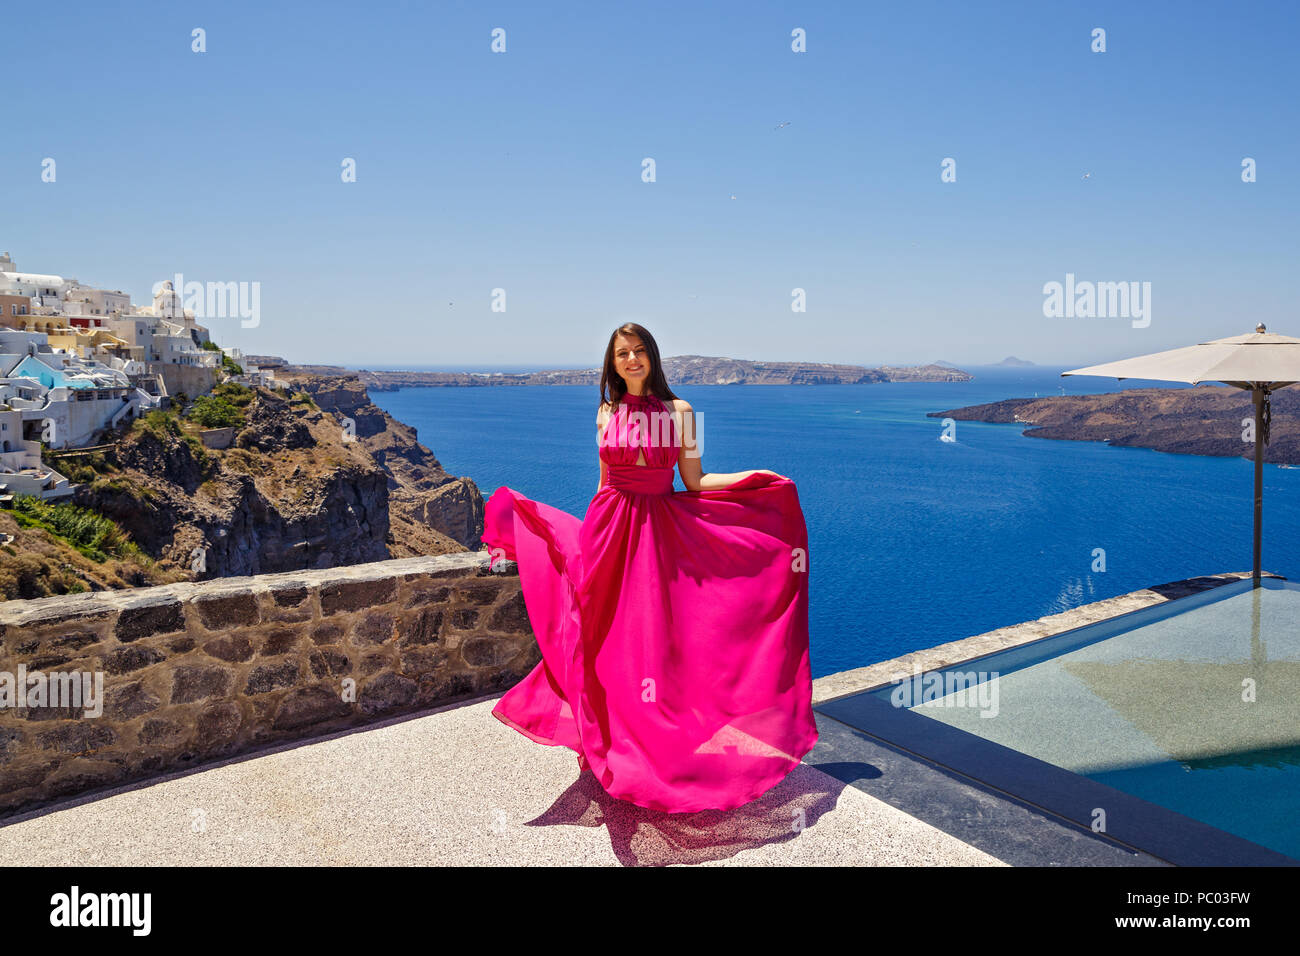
column 195, row 672
column 193, row 380
column 217, row 437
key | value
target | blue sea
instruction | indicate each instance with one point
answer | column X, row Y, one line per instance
column 913, row 541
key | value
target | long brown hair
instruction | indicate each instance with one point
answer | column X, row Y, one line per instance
column 611, row 382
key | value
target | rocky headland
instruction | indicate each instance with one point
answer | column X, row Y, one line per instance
column 1206, row 420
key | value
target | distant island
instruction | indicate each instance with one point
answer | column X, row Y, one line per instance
column 1205, row 420
column 1012, row 362
column 680, row 370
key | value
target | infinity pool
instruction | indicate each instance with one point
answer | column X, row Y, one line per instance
column 1191, row 706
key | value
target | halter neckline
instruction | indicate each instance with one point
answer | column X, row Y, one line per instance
column 630, row 399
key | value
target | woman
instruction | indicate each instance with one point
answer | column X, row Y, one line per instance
column 673, row 625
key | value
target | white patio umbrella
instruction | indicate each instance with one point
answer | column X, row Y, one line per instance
column 1261, row 362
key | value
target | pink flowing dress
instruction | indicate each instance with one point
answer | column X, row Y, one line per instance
column 673, row 626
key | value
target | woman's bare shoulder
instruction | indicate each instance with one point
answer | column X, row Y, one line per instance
column 682, row 405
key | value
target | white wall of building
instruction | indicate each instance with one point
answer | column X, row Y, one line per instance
column 85, row 301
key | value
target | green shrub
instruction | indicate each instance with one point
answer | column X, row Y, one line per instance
column 95, row 536
column 215, row 411
column 160, row 423
column 238, row 395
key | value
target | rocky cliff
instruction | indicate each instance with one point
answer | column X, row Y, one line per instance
column 294, row 491
column 288, row 495
column 1206, row 420
column 430, row 511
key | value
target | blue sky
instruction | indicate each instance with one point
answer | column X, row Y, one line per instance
column 522, row 171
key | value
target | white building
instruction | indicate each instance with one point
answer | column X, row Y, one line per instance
column 253, row 375
column 83, row 301
column 164, row 341
column 21, row 469
column 45, row 291
column 74, row 398
column 167, row 305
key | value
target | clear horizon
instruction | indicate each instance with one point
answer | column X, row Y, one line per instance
column 470, row 367
column 775, row 170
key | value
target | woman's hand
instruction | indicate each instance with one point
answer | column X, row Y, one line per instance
column 715, row 481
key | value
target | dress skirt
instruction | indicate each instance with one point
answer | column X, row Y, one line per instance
column 673, row 628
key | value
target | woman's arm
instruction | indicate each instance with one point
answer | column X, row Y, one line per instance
column 688, row 460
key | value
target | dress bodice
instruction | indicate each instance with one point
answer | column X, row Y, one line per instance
column 641, row 425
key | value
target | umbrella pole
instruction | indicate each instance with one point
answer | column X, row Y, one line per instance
column 1260, row 398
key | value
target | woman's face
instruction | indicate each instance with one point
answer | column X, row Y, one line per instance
column 631, row 360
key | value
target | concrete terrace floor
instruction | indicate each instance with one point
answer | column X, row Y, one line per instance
column 455, row 786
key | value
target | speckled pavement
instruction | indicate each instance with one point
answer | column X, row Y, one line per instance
column 455, row 786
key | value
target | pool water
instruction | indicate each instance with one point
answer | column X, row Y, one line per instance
column 1196, row 710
